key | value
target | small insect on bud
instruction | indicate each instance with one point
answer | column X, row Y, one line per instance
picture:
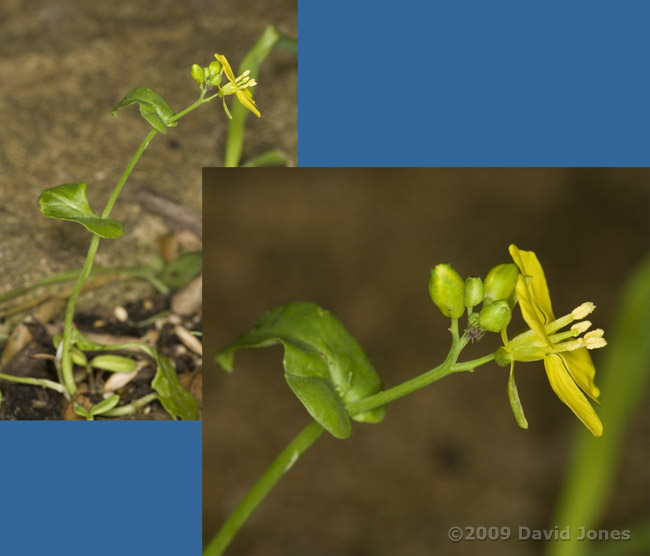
column 447, row 291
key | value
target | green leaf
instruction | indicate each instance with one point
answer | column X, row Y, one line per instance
column 273, row 157
column 81, row 410
column 69, row 202
column 182, row 269
column 324, row 365
column 153, row 108
column 105, row 405
column 114, row 363
column 175, row 399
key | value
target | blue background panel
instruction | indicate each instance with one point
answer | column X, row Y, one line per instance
column 504, row 83
column 100, row 488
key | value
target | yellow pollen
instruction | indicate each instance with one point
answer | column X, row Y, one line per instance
column 594, row 339
column 580, row 327
column 575, row 344
column 582, row 311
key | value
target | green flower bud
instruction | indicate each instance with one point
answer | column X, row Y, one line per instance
column 500, row 282
column 495, row 316
column 473, row 291
column 114, row 363
column 447, row 291
column 214, row 68
column 197, row 73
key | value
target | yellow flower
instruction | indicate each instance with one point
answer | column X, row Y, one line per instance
column 568, row 364
column 239, row 86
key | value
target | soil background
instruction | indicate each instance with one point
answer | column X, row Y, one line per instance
column 66, row 64
column 361, row 243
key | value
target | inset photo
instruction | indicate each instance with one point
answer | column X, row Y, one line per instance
column 108, row 117
column 425, row 361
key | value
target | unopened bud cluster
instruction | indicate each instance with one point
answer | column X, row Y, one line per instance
column 453, row 295
column 209, row 75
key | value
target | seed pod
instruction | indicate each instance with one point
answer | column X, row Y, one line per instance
column 447, row 291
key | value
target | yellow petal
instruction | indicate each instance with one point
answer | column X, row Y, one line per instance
column 247, row 100
column 226, row 67
column 529, row 265
column 581, row 368
column 567, row 390
column 529, row 310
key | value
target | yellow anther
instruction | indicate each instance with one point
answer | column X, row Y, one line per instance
column 582, row 311
column 580, row 327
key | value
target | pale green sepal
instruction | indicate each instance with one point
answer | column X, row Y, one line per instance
column 515, row 403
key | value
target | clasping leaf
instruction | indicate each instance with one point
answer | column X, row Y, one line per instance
column 153, row 108
column 324, row 365
column 69, row 202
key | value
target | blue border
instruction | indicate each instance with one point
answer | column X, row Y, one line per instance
column 101, row 488
column 474, row 83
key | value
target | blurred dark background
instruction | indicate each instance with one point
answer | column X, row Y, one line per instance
column 361, row 243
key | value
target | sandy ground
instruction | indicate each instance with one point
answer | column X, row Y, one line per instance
column 66, row 64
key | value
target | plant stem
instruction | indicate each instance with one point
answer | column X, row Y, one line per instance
column 127, row 172
column 266, row 482
column 448, row 366
column 132, row 407
column 35, row 381
column 66, row 360
column 307, row 437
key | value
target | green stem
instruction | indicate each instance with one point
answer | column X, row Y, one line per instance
column 307, row 437
column 447, row 367
column 193, row 106
column 35, row 382
column 266, row 482
column 144, row 272
column 132, row 407
column 66, row 360
column 127, row 172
